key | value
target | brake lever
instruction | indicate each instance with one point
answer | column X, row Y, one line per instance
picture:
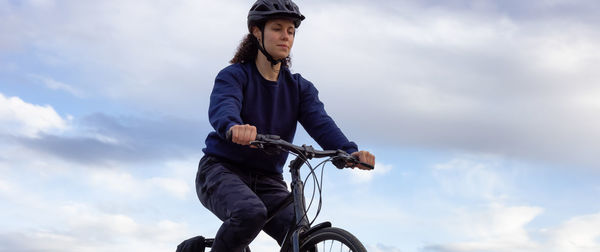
column 258, row 144
column 342, row 159
column 339, row 162
column 264, row 145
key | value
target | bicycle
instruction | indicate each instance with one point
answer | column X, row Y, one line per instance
column 303, row 236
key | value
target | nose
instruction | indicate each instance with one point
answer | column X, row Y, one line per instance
column 286, row 36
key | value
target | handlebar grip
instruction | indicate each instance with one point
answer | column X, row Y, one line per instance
column 357, row 161
column 367, row 165
column 259, row 137
column 228, row 135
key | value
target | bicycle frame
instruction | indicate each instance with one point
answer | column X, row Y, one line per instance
column 301, row 227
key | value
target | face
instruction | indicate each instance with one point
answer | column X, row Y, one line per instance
column 279, row 37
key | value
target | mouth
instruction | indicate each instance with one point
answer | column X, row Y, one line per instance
column 283, row 46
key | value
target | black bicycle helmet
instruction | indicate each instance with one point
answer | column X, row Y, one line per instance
column 263, row 10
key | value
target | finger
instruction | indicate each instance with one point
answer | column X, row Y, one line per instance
column 253, row 133
column 368, row 159
column 250, row 133
column 357, row 156
column 365, row 161
column 363, row 156
column 239, row 130
column 235, row 134
column 246, row 135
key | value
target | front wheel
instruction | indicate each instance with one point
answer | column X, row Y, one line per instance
column 331, row 239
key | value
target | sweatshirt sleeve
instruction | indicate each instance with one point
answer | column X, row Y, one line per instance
column 319, row 125
column 226, row 100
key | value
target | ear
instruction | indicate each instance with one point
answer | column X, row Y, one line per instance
column 256, row 32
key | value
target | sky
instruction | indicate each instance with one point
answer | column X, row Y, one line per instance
column 483, row 116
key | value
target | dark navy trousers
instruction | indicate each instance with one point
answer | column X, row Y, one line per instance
column 241, row 199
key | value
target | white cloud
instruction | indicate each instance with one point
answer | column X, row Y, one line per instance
column 125, row 184
column 587, row 99
column 494, row 228
column 183, row 168
column 77, row 217
column 471, row 177
column 264, row 242
column 478, row 72
column 501, row 225
column 372, row 217
column 365, row 176
column 57, row 85
column 83, row 228
column 5, row 187
column 182, row 48
column 579, row 233
column 382, row 248
column 116, row 181
column 41, row 3
column 20, row 118
column 502, row 228
column 471, row 79
column 476, row 218
column 175, row 187
column 566, row 49
column 104, row 226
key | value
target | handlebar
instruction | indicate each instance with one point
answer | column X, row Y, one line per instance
column 274, row 143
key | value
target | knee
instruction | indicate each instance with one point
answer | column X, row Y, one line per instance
column 250, row 216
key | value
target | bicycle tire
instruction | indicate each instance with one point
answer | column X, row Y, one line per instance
column 330, row 239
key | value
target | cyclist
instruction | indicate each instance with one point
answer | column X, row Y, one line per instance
column 257, row 93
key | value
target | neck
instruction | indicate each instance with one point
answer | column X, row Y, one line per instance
column 268, row 71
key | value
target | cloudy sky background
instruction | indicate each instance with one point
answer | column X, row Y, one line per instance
column 484, row 117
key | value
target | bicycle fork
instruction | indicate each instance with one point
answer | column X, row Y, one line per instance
column 301, row 219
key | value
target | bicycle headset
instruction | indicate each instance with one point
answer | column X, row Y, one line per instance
column 263, row 10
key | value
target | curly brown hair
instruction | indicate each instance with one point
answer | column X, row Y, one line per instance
column 248, row 50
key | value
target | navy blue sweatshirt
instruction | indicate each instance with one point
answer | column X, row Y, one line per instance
column 242, row 96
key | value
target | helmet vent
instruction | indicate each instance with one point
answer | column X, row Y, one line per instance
column 276, row 6
column 261, row 7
